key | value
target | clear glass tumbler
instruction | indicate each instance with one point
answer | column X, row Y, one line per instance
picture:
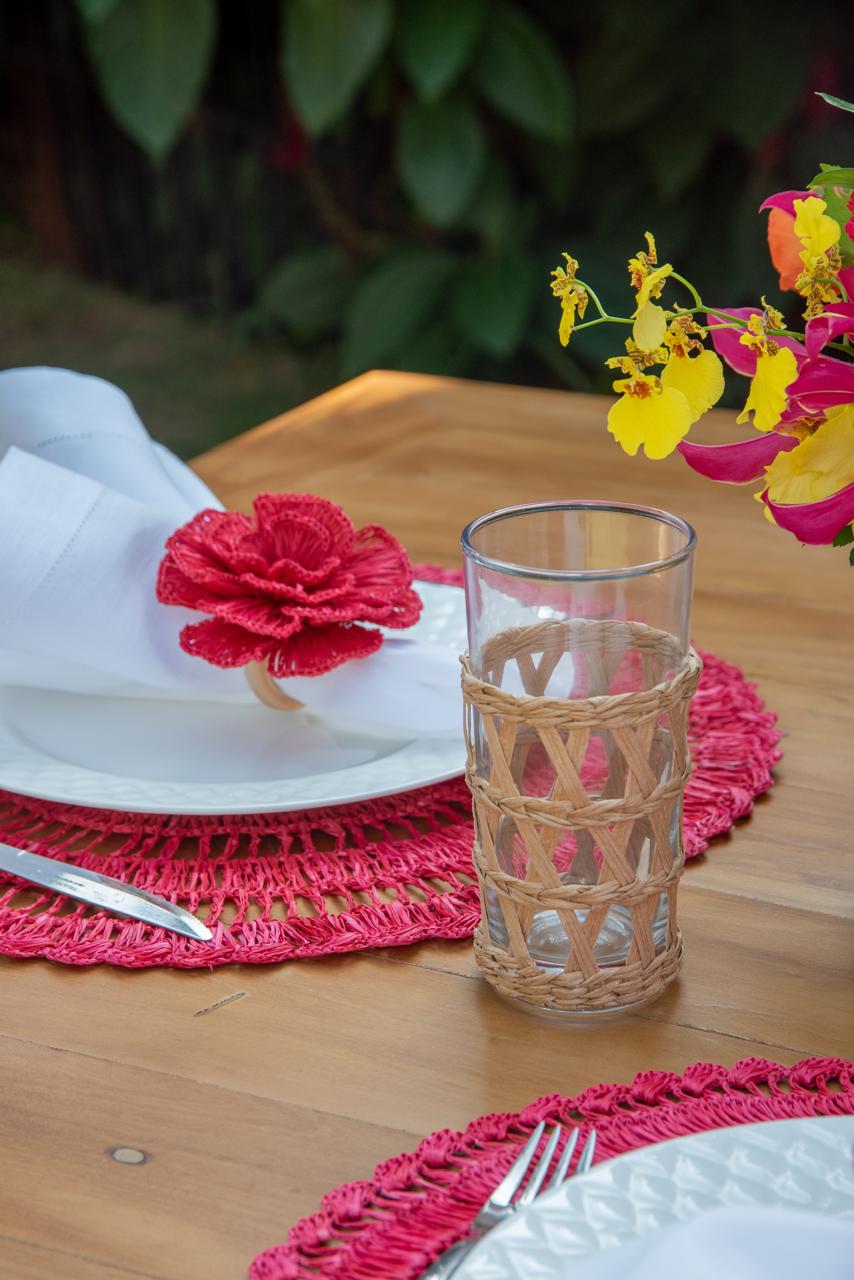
column 577, row 562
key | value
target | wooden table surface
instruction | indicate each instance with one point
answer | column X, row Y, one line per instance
column 249, row 1113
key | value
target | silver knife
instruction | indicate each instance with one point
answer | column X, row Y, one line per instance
column 101, row 891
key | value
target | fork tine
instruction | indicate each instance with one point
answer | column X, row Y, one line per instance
column 540, row 1169
column 503, row 1194
column 586, row 1158
column 563, row 1163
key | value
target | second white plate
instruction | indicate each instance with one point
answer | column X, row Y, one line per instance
column 155, row 756
column 793, row 1164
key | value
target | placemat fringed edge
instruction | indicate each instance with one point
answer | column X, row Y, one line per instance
column 391, row 1226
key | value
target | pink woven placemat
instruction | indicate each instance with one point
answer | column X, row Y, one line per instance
column 381, row 873
column 392, row 1226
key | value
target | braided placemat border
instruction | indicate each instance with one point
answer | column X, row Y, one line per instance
column 382, row 873
column 393, row 1225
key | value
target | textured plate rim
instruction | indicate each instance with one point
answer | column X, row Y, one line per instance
column 471, row 1268
column 429, row 761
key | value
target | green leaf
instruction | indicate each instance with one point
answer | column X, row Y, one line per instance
column 616, row 86
column 308, row 288
column 755, row 95
column 833, row 175
column 845, row 536
column 493, row 300
column 837, row 102
column 391, row 304
column 330, row 48
column 851, row 556
column 437, row 348
column 494, row 211
column 441, row 155
column 675, row 154
column 95, row 10
column 435, row 41
column 152, row 58
column 522, row 77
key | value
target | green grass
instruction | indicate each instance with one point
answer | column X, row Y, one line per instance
column 194, row 384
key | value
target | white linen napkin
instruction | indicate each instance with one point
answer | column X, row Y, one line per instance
column 731, row 1244
column 87, row 501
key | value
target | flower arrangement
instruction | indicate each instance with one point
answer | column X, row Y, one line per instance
column 801, row 393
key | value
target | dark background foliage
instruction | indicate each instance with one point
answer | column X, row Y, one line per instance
column 363, row 183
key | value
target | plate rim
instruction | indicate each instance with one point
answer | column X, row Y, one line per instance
column 351, row 790
column 731, row 1131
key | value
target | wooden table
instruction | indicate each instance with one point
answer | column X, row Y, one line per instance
column 250, row 1112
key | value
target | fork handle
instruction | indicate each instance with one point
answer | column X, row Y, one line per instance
column 446, row 1263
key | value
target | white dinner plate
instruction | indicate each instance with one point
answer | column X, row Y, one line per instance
column 157, row 756
column 795, row 1164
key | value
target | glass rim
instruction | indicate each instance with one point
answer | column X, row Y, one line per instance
column 579, row 575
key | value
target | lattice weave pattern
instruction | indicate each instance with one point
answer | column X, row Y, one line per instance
column 624, row 849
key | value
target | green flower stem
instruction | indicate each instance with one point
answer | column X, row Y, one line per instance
column 602, row 312
column 603, row 319
column 674, row 275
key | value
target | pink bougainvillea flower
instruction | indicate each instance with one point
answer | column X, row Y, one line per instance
column 821, row 384
column 835, row 320
column 785, row 201
column 739, row 462
column 289, row 588
column 726, row 340
column 849, row 226
column 810, row 490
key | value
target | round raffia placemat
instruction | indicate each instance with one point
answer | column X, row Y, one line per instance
column 385, row 872
column 393, row 1225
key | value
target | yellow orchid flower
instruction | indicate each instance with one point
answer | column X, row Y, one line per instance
column 816, row 231
column 820, row 465
column 776, row 370
column 648, row 414
column 699, row 378
column 648, row 281
column 573, row 298
column 819, row 236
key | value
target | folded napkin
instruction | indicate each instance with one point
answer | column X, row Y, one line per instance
column 732, row 1244
column 87, row 501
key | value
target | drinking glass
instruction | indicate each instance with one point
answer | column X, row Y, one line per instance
column 585, row 565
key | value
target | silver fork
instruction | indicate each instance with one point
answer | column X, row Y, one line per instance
column 505, row 1201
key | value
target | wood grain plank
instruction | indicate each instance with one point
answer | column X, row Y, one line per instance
column 412, row 1047
column 22, row 1260
column 226, row 1173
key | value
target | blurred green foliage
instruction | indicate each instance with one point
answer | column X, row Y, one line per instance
column 449, row 150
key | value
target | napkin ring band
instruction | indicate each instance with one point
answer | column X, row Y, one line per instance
column 266, row 690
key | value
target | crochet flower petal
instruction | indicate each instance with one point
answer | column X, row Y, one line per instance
column 258, row 617
column 313, row 651
column 223, row 644
column 378, row 562
column 302, row 527
column 739, row 462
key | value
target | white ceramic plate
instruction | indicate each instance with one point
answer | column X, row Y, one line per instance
column 796, row 1164
column 213, row 758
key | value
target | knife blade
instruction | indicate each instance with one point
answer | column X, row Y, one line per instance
column 101, row 891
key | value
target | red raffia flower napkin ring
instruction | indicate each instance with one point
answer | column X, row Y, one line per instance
column 288, row 592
